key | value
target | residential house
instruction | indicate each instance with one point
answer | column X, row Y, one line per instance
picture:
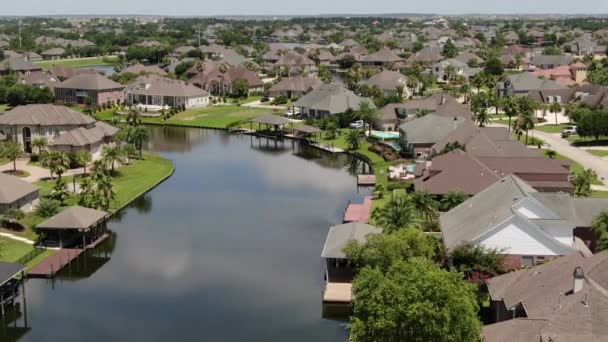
column 62, row 73
column 154, row 92
column 15, row 193
column 428, row 55
column 467, row 57
column 583, row 46
column 525, row 225
column 296, row 64
column 328, row 99
column 562, row 300
column 139, row 69
column 348, row 44
column 446, row 70
column 294, row 87
column 53, row 53
column 417, row 136
column 521, row 84
column 567, row 75
column 90, row 139
column 549, row 96
column 388, row 81
column 182, row 50
column 550, row 61
column 39, row 79
column 511, row 38
column 216, row 82
column 384, row 57
column 89, row 87
column 31, row 56
column 24, row 124
column 17, row 65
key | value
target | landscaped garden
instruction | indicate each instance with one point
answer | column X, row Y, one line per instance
column 76, row 62
column 222, row 116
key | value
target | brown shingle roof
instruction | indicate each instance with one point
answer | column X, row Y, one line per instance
column 44, row 115
column 74, row 218
column 163, row 86
column 89, row 82
column 82, row 136
column 13, row 188
column 144, row 69
column 297, row 83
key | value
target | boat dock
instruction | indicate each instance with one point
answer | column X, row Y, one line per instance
column 327, row 147
column 366, row 180
column 337, row 293
column 359, row 212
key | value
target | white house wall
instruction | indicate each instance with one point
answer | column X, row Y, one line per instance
column 514, row 238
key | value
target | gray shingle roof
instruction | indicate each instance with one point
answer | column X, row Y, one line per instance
column 82, row 136
column 271, row 119
column 163, row 86
column 332, row 98
column 44, row 115
column 297, row 83
column 430, row 128
column 93, row 81
column 9, row 270
column 339, row 236
column 17, row 64
column 386, row 80
column 74, row 218
column 13, row 188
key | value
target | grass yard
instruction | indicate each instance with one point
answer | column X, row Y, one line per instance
column 4, row 108
column 76, row 62
column 576, row 167
column 599, row 153
column 589, row 141
column 552, row 128
column 108, row 115
column 222, row 116
column 12, row 250
column 599, row 194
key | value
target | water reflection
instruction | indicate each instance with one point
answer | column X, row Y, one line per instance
column 232, row 239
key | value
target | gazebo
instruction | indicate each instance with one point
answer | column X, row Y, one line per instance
column 9, row 282
column 303, row 131
column 270, row 120
column 73, row 225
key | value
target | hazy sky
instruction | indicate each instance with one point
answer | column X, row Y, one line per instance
column 291, row 7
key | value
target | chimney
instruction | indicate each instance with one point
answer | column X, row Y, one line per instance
column 579, row 279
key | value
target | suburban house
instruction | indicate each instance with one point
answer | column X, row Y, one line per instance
column 17, row 65
column 446, row 70
column 217, row 83
column 388, row 81
column 139, row 69
column 89, row 87
column 441, row 103
column 39, row 79
column 488, row 154
column 153, row 92
column 31, row 56
column 90, row 139
column 428, row 55
column 511, row 38
column 295, row 63
column 17, row 194
column 294, row 87
column 468, row 57
column 521, row 84
column 339, row 272
column 527, row 226
column 550, row 61
column 53, row 53
column 382, row 57
column 417, row 136
column 567, row 75
column 63, row 73
column 26, row 123
column 328, row 99
column 348, row 43
column 583, row 46
column 562, row 300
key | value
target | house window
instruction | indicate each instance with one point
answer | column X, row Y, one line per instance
column 539, row 260
column 527, row 261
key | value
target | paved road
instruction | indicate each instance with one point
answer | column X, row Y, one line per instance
column 563, row 147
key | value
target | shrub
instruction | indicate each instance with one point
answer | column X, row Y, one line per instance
column 279, row 100
column 398, row 185
column 47, row 207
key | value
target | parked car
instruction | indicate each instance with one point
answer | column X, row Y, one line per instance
column 265, row 99
column 357, row 124
column 568, row 131
column 292, row 112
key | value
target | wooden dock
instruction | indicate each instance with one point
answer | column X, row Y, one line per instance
column 51, row 265
column 327, row 147
column 359, row 212
column 337, row 293
column 366, row 180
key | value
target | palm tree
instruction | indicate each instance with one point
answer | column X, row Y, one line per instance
column 600, row 227
column 398, row 213
column 525, row 123
column 223, row 68
column 112, row 155
column 551, row 154
column 87, row 193
column 331, row 131
column 138, row 136
column 105, row 193
column 412, row 83
column 511, row 106
column 352, row 139
column 133, row 117
column 47, row 207
column 479, row 81
column 57, row 162
column 60, row 191
column 465, row 90
column 83, row 157
column 582, row 182
column 40, row 143
column 453, row 199
column 367, row 113
column 129, row 151
column 426, row 205
column 481, row 116
column 555, row 108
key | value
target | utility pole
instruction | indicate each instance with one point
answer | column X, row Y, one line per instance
column 199, row 35
column 19, row 32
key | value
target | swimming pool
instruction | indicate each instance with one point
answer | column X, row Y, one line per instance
column 410, row 168
column 385, row 135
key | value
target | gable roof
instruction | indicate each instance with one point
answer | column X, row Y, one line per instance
column 13, row 188
column 339, row 236
column 82, row 136
column 333, row 98
column 145, row 69
column 163, row 86
column 44, row 115
column 429, row 128
column 297, row 83
column 384, row 55
column 386, row 80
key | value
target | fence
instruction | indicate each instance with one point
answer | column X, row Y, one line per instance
column 31, row 255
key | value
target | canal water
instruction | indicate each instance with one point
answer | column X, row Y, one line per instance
column 227, row 249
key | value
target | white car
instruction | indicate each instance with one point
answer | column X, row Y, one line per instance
column 357, row 124
column 569, row 131
column 291, row 112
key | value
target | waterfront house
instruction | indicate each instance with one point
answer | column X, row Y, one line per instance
column 219, row 83
column 139, row 69
column 74, row 226
column 339, row 272
column 11, row 277
column 39, row 79
column 328, row 99
column 388, row 81
column 27, row 123
column 63, row 73
column 17, row 194
column 153, row 92
column 90, row 139
column 294, row 87
column 525, row 225
column 417, row 136
column 562, row 300
column 89, row 87
column 53, row 53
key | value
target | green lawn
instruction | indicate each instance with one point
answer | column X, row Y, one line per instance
column 222, row 116
column 13, row 250
column 108, row 115
column 76, row 62
column 599, row 153
column 599, row 194
column 576, row 167
column 4, row 108
column 552, row 128
column 588, row 140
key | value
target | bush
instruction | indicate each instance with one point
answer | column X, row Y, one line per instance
column 279, row 100
column 398, row 185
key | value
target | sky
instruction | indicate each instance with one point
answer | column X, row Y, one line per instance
column 291, row 7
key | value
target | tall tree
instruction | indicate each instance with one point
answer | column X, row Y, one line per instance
column 82, row 158
column 57, row 162
column 453, row 199
column 12, row 151
column 426, row 205
column 398, row 213
column 600, row 227
column 367, row 113
column 511, row 107
column 352, row 139
column 414, row 300
column 112, row 155
column 40, row 143
column 555, row 108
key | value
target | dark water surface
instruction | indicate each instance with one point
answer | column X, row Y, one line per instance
column 228, row 249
